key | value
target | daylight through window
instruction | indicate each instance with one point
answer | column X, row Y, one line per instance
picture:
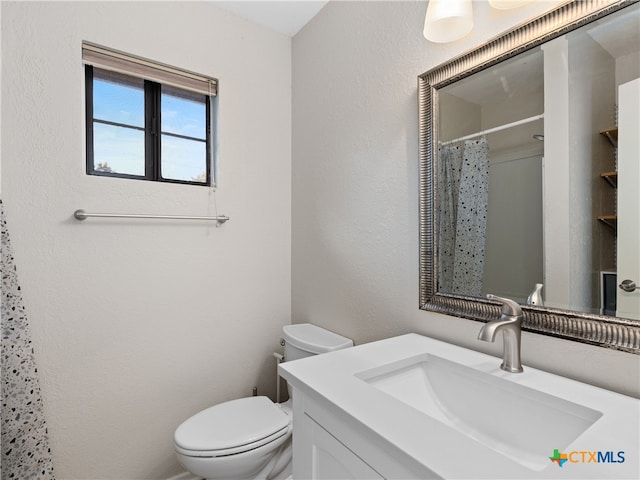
column 140, row 127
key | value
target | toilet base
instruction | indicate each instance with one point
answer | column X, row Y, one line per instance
column 279, row 468
column 286, row 473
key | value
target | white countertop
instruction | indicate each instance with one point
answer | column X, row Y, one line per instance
column 446, row 451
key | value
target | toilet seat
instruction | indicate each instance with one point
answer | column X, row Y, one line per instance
column 235, row 450
column 232, row 428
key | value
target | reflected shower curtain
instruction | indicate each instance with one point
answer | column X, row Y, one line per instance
column 463, row 193
column 450, row 165
column 25, row 442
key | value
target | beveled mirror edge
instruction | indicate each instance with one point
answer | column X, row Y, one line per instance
column 609, row 332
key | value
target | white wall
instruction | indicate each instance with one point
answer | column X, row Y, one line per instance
column 592, row 107
column 355, row 184
column 627, row 69
column 557, row 238
column 514, row 213
column 458, row 117
column 139, row 324
column 514, row 226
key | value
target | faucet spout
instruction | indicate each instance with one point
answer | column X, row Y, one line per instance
column 510, row 323
column 489, row 330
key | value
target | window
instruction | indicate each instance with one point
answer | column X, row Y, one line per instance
column 143, row 123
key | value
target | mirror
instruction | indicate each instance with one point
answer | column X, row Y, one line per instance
column 525, row 192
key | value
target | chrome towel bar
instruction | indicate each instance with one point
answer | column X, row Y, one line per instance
column 82, row 215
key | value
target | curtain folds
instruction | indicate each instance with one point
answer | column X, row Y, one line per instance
column 463, row 190
column 25, row 442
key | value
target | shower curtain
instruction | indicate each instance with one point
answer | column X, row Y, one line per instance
column 463, row 183
column 25, row 443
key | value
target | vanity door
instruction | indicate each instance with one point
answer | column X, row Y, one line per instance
column 331, row 459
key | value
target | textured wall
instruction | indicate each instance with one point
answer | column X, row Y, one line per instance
column 355, row 183
column 137, row 325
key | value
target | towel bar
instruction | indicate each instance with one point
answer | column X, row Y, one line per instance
column 82, row 215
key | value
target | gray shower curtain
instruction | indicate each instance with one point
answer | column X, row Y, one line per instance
column 463, row 191
column 25, row 443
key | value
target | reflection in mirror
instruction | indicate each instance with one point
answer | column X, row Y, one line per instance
column 520, row 165
column 490, row 174
column 529, row 176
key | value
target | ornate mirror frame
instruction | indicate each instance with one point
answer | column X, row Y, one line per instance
column 601, row 330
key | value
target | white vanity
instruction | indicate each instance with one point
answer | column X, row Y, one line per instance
column 415, row 407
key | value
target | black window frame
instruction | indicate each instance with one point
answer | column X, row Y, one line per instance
column 152, row 131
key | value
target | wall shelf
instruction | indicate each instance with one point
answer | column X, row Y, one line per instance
column 611, row 178
column 609, row 220
column 611, row 134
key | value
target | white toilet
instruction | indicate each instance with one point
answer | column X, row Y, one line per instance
column 250, row 438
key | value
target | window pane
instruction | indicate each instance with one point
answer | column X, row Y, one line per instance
column 118, row 150
column 183, row 159
column 118, row 98
column 183, row 113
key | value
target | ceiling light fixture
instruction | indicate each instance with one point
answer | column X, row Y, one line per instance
column 448, row 20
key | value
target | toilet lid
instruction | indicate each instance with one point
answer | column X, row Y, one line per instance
column 231, row 424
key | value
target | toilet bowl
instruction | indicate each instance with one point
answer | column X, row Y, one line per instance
column 235, row 439
column 250, row 438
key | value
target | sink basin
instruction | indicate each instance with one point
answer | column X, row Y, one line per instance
column 519, row 422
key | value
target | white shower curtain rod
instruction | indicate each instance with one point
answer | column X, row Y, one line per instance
column 494, row 129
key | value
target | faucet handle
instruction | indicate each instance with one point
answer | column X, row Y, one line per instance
column 509, row 307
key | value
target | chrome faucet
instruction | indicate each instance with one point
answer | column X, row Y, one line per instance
column 510, row 322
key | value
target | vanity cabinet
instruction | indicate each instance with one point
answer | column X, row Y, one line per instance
column 329, row 444
column 330, row 458
column 399, row 409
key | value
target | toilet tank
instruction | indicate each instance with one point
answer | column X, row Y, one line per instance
column 305, row 339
